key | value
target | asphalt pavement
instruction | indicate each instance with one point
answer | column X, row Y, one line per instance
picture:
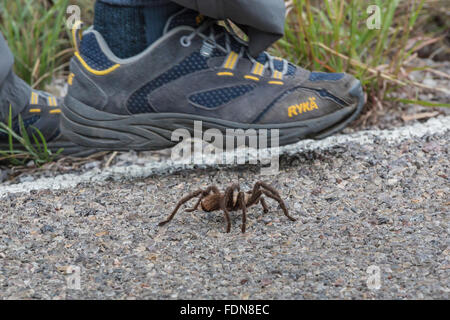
column 372, row 222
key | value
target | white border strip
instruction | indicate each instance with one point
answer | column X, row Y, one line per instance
column 431, row 127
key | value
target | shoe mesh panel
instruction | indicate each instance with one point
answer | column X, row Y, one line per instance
column 138, row 102
column 93, row 55
column 221, row 42
column 26, row 122
column 291, row 69
column 218, row 97
column 323, row 76
column 278, row 65
column 186, row 18
column 262, row 58
column 218, row 53
column 235, row 45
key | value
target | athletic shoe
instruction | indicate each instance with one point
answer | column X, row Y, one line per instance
column 42, row 112
column 198, row 71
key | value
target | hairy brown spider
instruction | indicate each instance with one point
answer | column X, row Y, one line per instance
column 233, row 199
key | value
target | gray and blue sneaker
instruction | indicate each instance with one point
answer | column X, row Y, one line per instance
column 38, row 110
column 197, row 71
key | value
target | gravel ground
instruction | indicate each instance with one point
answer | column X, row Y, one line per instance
column 358, row 205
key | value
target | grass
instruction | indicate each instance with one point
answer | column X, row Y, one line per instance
column 37, row 36
column 32, row 147
column 324, row 35
column 333, row 36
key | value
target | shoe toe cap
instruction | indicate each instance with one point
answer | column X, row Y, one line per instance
column 307, row 102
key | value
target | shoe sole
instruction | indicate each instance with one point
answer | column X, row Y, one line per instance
column 100, row 130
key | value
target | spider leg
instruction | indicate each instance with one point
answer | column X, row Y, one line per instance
column 263, row 185
column 228, row 200
column 226, row 214
column 264, row 205
column 196, row 205
column 280, row 201
column 254, row 194
column 255, row 198
column 275, row 195
column 241, row 199
column 228, row 195
column 180, row 203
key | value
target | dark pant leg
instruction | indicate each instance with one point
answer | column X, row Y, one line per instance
column 6, row 59
column 14, row 91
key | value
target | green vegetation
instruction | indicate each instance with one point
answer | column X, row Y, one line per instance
column 333, row 36
column 36, row 34
column 30, row 150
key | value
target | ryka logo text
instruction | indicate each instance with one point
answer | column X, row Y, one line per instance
column 297, row 109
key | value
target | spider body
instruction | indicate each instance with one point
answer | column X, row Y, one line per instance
column 232, row 199
column 212, row 202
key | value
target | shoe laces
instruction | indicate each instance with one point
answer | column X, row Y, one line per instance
column 210, row 35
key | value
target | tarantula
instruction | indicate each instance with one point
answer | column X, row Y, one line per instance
column 233, row 199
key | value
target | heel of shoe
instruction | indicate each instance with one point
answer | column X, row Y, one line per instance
column 93, row 128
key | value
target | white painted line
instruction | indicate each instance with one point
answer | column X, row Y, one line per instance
column 431, row 127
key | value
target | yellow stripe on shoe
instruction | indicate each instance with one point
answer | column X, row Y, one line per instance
column 277, row 75
column 70, row 78
column 34, row 100
column 249, row 77
column 229, row 74
column 76, row 37
column 277, row 78
column 231, row 60
column 55, row 111
column 93, row 71
column 35, row 110
column 51, row 101
column 279, row 83
column 258, row 69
